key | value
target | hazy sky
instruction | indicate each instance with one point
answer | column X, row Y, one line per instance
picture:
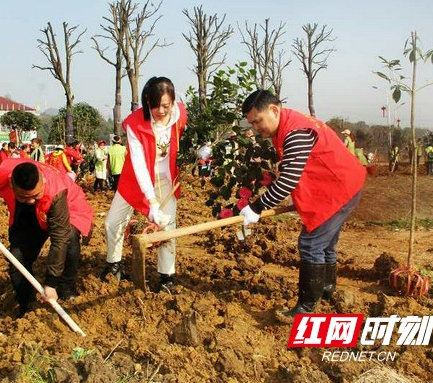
column 363, row 30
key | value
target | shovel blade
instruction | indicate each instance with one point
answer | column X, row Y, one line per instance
column 241, row 234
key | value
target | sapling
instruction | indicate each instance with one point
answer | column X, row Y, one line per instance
column 406, row 279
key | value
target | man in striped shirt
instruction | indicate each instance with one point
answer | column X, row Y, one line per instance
column 324, row 180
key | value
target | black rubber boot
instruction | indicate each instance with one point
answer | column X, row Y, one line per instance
column 67, row 292
column 167, row 283
column 311, row 286
column 115, row 268
column 330, row 281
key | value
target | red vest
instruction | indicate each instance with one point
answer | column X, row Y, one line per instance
column 332, row 175
column 128, row 186
column 80, row 212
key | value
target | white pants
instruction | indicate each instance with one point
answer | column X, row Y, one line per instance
column 118, row 217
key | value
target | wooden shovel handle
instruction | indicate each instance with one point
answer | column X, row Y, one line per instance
column 166, row 235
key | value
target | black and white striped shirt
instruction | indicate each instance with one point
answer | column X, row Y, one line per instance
column 297, row 147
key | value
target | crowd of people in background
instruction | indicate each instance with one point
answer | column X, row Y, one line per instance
column 104, row 162
column 422, row 151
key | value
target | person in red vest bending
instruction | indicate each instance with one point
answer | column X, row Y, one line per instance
column 324, row 181
column 44, row 203
column 149, row 175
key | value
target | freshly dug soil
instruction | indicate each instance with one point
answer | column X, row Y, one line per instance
column 219, row 324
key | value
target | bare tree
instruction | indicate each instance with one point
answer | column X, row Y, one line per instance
column 311, row 55
column 267, row 62
column 114, row 33
column 132, row 20
column 50, row 49
column 207, row 38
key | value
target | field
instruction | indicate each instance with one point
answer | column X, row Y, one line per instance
column 219, row 325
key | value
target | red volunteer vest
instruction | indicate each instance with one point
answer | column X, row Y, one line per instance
column 128, row 186
column 332, row 175
column 80, row 212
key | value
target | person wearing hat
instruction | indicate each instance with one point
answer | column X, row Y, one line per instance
column 58, row 159
column 349, row 140
column 116, row 159
column 101, row 156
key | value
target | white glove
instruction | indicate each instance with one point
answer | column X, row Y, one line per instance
column 250, row 216
column 154, row 213
column 158, row 216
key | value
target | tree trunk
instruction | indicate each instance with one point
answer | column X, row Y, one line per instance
column 311, row 99
column 413, row 143
column 117, row 118
column 201, row 75
column 133, row 80
column 69, row 128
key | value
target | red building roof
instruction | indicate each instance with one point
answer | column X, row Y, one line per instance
column 8, row 105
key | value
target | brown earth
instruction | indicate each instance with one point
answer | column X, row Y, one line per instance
column 219, row 325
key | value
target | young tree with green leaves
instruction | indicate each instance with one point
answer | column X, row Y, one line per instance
column 88, row 123
column 243, row 163
column 403, row 278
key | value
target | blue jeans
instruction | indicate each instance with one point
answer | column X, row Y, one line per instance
column 318, row 246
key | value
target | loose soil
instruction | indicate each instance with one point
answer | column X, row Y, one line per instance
column 219, row 324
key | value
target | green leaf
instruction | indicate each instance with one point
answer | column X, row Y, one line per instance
column 396, row 95
column 382, row 75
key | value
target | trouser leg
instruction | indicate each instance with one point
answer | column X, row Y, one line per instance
column 117, row 219
column 167, row 251
column 115, row 181
column 318, row 260
column 25, row 247
column 73, row 253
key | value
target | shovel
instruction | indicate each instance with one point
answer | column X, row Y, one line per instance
column 40, row 289
column 141, row 243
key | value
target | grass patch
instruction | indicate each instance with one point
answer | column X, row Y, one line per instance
column 426, row 223
column 37, row 367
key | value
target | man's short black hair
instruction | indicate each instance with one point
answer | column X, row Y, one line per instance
column 25, row 176
column 260, row 99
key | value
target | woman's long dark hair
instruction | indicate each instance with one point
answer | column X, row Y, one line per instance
column 153, row 91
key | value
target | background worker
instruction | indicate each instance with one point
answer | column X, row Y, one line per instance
column 349, row 140
column 101, row 157
column 37, row 153
column 324, row 180
column 116, row 159
column 44, row 203
column 429, row 159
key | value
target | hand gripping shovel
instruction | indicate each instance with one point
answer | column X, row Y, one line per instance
column 142, row 242
column 40, row 289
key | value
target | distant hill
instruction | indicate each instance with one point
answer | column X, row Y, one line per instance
column 50, row 112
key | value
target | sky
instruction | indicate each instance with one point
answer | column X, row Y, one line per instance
column 348, row 89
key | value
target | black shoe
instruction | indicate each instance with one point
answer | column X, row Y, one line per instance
column 31, row 305
column 167, row 283
column 116, row 269
column 67, row 294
